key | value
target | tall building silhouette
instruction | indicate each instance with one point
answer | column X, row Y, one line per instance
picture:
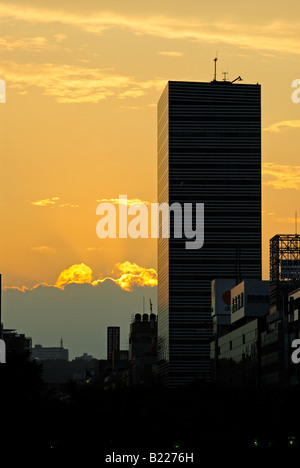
column 113, row 341
column 209, row 151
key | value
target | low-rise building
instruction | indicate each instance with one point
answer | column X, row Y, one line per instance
column 236, row 353
column 283, row 327
column 143, row 348
column 41, row 353
column 16, row 343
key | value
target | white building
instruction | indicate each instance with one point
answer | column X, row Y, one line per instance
column 250, row 298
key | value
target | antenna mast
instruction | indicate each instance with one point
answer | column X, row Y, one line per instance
column 238, row 276
column 215, row 60
column 237, row 79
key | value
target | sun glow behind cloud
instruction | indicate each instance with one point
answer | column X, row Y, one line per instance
column 126, row 275
column 130, row 275
column 79, row 273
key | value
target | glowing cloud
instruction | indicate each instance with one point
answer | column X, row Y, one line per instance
column 276, row 36
column 22, row 289
column 71, row 83
column 45, row 202
column 75, row 274
column 59, row 37
column 284, row 176
column 68, row 205
column 26, row 43
column 132, row 93
column 122, row 201
column 52, row 202
column 135, row 275
column 171, row 54
column 279, row 126
column 126, row 275
column 43, row 249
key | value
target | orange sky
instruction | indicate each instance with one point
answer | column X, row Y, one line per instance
column 79, row 125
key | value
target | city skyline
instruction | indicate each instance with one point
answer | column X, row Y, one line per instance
column 79, row 126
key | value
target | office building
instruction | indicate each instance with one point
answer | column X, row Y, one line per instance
column 16, row 343
column 236, row 351
column 283, row 323
column 221, row 304
column 209, row 151
column 113, row 342
column 256, row 349
column 284, row 268
column 42, row 353
column 142, row 348
column 115, row 374
column 84, row 357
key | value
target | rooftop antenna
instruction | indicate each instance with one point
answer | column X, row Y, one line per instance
column 215, row 60
column 237, row 79
column 225, row 73
column 238, row 276
column 150, row 306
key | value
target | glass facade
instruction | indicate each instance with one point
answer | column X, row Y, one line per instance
column 209, row 151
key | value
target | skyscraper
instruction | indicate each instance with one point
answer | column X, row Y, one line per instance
column 209, row 151
column 113, row 341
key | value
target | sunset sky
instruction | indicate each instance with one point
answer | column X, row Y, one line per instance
column 79, row 126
